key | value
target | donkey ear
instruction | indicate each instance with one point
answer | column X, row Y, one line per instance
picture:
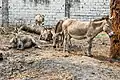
column 91, row 22
column 111, row 18
column 107, row 17
column 20, row 29
column 13, row 33
column 16, row 30
column 19, row 33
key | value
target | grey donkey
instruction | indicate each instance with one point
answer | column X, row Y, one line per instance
column 22, row 42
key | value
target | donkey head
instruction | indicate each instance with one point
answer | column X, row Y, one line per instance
column 15, row 41
column 107, row 26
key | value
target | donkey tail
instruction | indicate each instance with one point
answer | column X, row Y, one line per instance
column 58, row 27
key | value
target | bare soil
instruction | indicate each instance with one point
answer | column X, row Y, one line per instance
column 52, row 64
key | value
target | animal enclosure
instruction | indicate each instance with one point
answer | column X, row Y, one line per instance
column 27, row 51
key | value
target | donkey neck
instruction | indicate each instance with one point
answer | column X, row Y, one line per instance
column 97, row 24
column 95, row 28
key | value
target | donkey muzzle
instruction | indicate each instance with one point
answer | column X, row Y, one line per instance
column 111, row 34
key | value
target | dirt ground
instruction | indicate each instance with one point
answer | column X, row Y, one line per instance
column 52, row 64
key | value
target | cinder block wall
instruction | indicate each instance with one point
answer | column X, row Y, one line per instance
column 55, row 10
column 89, row 9
column 0, row 11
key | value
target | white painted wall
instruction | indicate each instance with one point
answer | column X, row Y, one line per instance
column 55, row 10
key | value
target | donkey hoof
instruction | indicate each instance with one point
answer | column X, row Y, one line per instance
column 85, row 55
column 54, row 46
column 1, row 56
column 90, row 55
column 66, row 51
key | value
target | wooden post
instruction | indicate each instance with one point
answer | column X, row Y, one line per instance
column 115, row 40
column 67, row 8
column 5, row 13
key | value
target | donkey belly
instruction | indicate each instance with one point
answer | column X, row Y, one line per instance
column 77, row 33
column 78, row 37
column 28, row 44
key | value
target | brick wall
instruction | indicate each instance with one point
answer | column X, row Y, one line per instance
column 55, row 10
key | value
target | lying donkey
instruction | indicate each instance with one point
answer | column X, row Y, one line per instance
column 22, row 41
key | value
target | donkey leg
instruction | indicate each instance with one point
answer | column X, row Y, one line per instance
column 67, row 41
column 40, row 37
column 70, row 42
column 39, row 22
column 89, row 47
column 36, row 22
column 62, row 39
column 64, row 43
column 65, row 46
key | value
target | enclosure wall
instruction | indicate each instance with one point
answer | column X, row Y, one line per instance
column 54, row 10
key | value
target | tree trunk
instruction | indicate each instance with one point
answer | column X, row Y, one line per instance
column 5, row 13
column 115, row 40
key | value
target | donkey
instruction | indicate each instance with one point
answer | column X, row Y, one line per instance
column 58, row 35
column 84, row 30
column 22, row 42
column 39, row 19
column 58, row 39
column 46, row 34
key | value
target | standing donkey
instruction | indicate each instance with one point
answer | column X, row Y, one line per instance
column 84, row 30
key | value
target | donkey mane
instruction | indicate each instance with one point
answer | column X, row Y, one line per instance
column 103, row 18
